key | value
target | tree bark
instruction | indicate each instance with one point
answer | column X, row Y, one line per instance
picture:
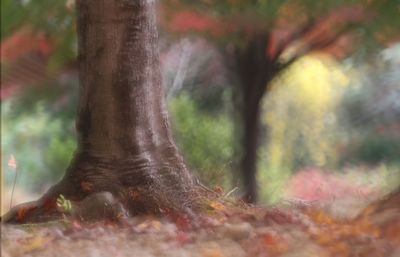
column 125, row 145
column 383, row 213
column 256, row 70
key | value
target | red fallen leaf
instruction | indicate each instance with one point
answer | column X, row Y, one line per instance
column 12, row 163
column 22, row 213
column 278, row 217
column 76, row 225
column 274, row 244
column 50, row 204
column 218, row 190
column 270, row 239
column 87, row 186
column 183, row 223
column 183, row 237
column 393, row 232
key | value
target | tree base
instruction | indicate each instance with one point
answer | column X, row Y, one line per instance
column 385, row 211
column 98, row 190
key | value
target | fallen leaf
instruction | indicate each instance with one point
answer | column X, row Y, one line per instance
column 274, row 244
column 149, row 225
column 36, row 243
column 183, row 237
column 87, row 186
column 183, row 222
column 213, row 253
column 218, row 190
column 22, row 212
column 12, row 163
column 217, row 206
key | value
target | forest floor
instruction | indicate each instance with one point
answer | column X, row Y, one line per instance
column 344, row 224
column 293, row 230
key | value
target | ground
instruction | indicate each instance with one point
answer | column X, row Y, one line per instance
column 325, row 215
column 225, row 230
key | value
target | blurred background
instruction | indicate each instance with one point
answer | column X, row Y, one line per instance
column 323, row 81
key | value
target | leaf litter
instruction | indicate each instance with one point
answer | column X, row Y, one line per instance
column 225, row 230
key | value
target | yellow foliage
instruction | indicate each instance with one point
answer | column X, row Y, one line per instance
column 299, row 111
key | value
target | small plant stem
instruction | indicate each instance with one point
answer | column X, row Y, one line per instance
column 12, row 191
column 231, row 192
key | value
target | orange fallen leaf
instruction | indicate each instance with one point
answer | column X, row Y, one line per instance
column 149, row 225
column 340, row 249
column 274, row 244
column 213, row 253
column 36, row 243
column 217, row 206
column 134, row 195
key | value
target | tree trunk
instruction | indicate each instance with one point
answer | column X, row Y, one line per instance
column 125, row 145
column 383, row 213
column 255, row 71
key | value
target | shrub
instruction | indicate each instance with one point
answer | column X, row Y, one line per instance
column 204, row 138
column 43, row 145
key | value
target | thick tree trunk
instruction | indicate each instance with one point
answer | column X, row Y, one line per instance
column 256, row 71
column 384, row 213
column 124, row 137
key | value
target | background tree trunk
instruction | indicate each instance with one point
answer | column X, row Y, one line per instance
column 255, row 71
column 125, row 144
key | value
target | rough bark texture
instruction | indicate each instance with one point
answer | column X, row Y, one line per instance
column 256, row 71
column 125, row 142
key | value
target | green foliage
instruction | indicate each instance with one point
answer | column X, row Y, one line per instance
column 372, row 148
column 42, row 138
column 267, row 9
column 272, row 180
column 64, row 204
column 375, row 149
column 206, row 140
column 42, row 145
column 369, row 113
column 12, row 14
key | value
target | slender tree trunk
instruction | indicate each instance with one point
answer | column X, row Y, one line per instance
column 250, row 146
column 256, row 71
column 125, row 145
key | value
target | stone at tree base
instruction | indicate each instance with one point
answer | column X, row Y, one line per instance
column 100, row 206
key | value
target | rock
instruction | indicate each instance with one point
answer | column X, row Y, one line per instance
column 100, row 206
